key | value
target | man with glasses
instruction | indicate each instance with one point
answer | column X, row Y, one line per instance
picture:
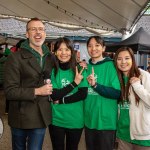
column 29, row 108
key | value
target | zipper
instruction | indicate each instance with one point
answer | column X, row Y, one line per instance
column 41, row 62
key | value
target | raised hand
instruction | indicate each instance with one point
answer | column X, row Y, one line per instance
column 78, row 76
column 83, row 64
column 134, row 79
column 91, row 78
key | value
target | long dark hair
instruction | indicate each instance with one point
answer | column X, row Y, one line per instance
column 134, row 72
column 72, row 62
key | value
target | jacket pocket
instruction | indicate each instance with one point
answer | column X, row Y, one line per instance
column 140, row 120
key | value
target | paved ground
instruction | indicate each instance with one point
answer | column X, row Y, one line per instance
column 5, row 141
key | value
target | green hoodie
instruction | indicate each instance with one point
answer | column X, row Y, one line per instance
column 40, row 59
column 100, row 111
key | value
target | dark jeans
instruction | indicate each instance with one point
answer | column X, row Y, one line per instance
column 99, row 139
column 31, row 139
column 58, row 135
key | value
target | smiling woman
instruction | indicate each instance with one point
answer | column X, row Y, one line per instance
column 69, row 91
column 133, row 119
column 1, row 128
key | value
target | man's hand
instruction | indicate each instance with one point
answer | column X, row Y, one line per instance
column 83, row 64
column 44, row 90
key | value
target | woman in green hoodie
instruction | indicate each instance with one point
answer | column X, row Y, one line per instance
column 100, row 105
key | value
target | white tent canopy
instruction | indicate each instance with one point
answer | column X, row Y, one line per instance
column 17, row 28
column 104, row 15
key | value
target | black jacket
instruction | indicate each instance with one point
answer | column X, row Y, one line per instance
column 22, row 75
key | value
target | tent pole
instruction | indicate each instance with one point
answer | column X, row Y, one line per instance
column 137, row 58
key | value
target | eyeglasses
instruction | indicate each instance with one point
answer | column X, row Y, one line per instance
column 35, row 29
